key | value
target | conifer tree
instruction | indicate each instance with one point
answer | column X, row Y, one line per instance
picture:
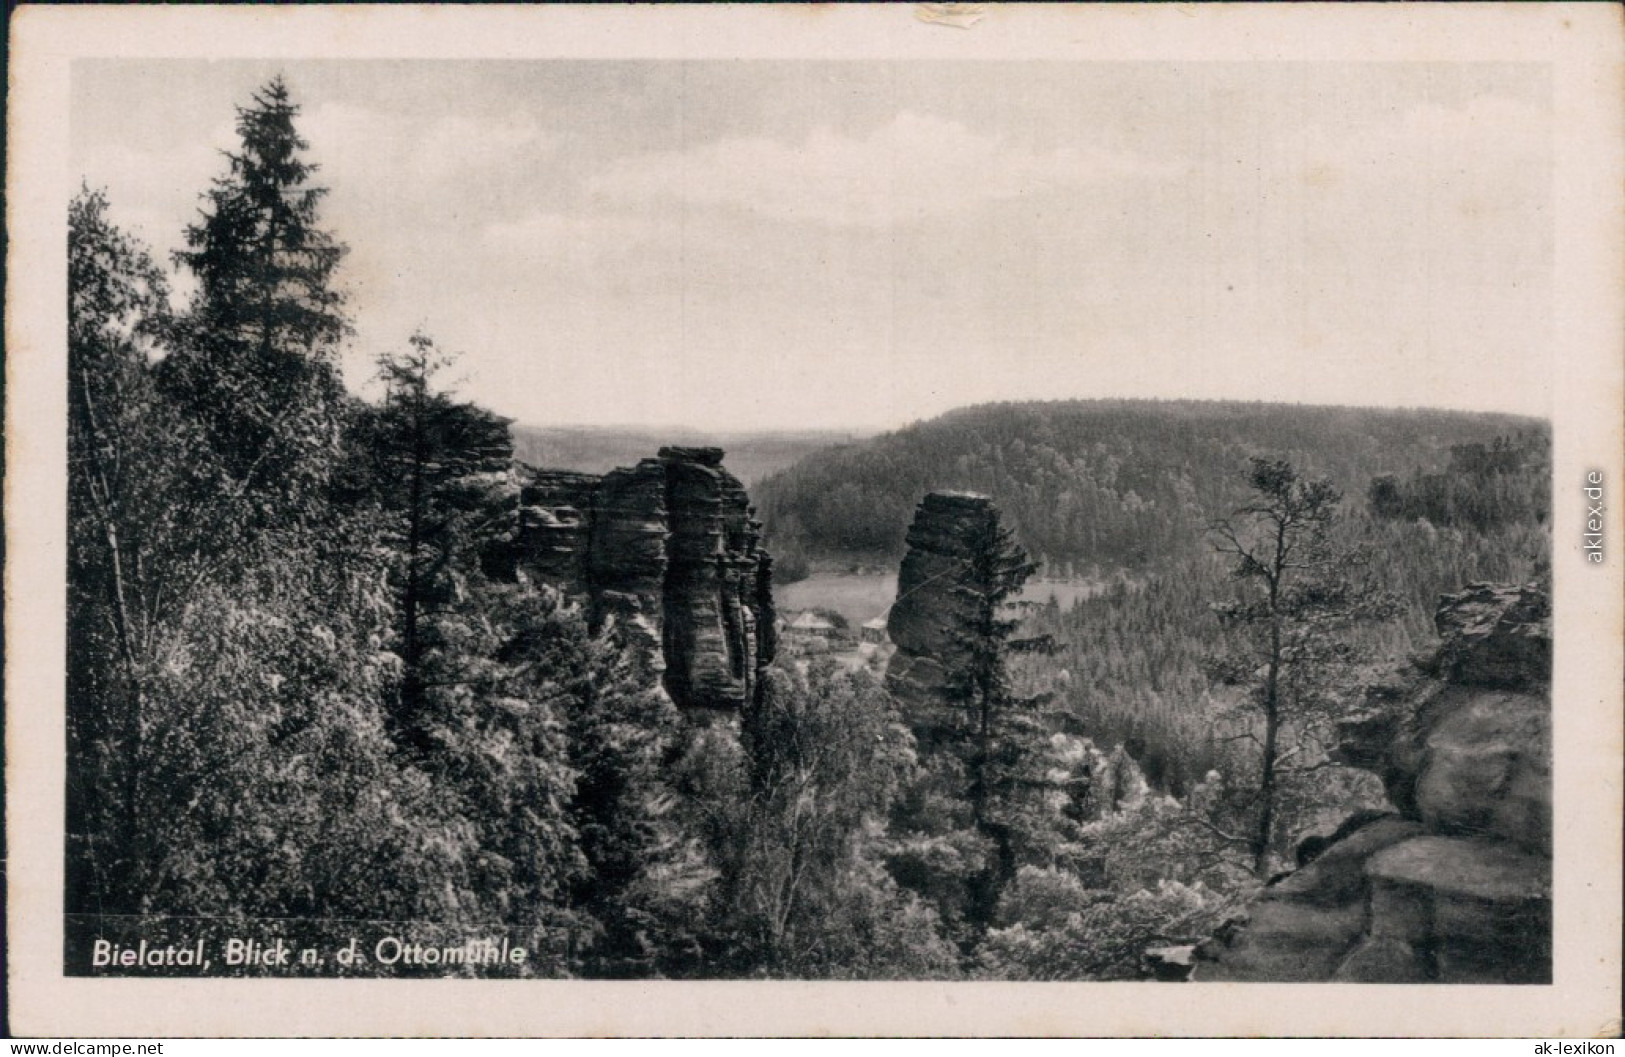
column 437, row 477
column 1301, row 591
column 970, row 816
column 257, row 364
column 1000, row 732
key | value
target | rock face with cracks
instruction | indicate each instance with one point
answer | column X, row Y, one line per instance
column 930, row 607
column 1455, row 885
column 669, row 552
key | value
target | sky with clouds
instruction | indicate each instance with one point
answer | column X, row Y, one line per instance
column 754, row 244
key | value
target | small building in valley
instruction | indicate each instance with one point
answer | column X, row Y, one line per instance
column 809, row 625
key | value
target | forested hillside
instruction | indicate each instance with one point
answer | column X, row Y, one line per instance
column 1100, row 485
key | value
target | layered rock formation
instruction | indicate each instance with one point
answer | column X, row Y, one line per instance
column 930, row 609
column 1454, row 887
column 669, row 552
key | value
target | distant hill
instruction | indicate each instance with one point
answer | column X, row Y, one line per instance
column 598, row 449
column 1101, row 484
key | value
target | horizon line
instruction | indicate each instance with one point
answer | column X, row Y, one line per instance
column 872, row 430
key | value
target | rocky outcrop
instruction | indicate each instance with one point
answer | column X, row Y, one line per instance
column 1455, row 885
column 556, row 511
column 930, row 609
column 1496, row 635
column 713, row 575
column 669, row 552
column 626, row 557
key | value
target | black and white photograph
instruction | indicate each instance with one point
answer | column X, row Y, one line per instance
column 907, row 516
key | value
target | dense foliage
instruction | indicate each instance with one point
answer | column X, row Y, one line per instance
column 296, row 690
column 254, row 360
column 1132, row 666
column 1505, row 482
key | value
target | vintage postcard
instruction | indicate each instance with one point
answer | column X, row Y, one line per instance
column 931, row 519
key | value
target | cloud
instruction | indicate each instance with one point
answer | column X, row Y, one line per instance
column 426, row 155
column 381, row 168
column 913, row 167
column 543, row 232
column 155, row 193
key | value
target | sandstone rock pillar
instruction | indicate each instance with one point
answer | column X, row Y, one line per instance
column 669, row 552
column 930, row 610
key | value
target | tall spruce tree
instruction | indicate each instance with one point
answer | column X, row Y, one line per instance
column 257, row 363
column 1000, row 731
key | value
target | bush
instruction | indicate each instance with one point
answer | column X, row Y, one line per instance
column 1059, row 930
